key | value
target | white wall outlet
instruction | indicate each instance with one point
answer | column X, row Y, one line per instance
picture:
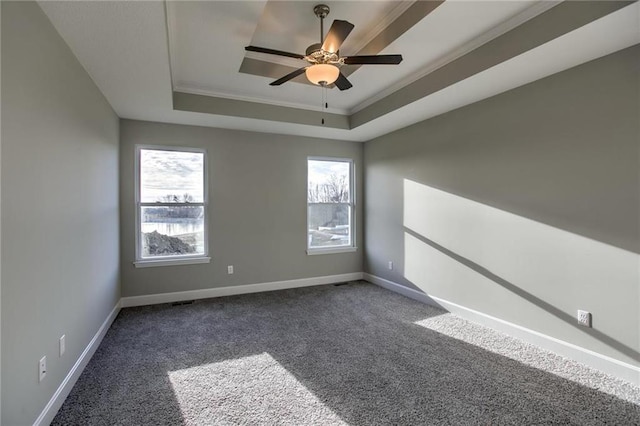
column 42, row 368
column 230, row 269
column 390, row 266
column 584, row 318
column 63, row 345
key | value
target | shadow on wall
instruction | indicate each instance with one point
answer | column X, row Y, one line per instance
column 353, row 354
column 458, row 250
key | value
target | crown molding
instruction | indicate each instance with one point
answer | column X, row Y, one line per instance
column 170, row 24
column 185, row 88
column 397, row 11
column 517, row 20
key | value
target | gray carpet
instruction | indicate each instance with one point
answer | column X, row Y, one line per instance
column 353, row 354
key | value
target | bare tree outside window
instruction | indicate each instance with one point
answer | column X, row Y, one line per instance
column 334, row 190
column 329, row 203
column 171, row 207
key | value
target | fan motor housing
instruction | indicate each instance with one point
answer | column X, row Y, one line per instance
column 313, row 48
column 324, row 65
column 315, row 55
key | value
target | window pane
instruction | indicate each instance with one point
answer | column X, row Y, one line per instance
column 328, row 181
column 172, row 231
column 329, row 225
column 171, row 177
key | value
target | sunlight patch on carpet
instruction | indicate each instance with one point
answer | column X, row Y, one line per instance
column 499, row 343
column 254, row 389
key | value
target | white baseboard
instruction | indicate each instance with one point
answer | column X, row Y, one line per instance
column 56, row 401
column 153, row 299
column 595, row 360
column 54, row 404
column 590, row 358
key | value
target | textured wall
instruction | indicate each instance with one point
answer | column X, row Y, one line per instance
column 524, row 206
column 257, row 210
column 60, row 252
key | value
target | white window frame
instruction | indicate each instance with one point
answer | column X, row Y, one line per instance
column 352, row 209
column 145, row 262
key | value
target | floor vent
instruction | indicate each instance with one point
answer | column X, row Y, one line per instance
column 184, row 302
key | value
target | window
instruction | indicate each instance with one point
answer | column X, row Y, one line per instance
column 330, row 205
column 171, row 200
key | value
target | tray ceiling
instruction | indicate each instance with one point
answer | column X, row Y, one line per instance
column 184, row 62
column 207, row 43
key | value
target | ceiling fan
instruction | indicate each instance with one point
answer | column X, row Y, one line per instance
column 324, row 58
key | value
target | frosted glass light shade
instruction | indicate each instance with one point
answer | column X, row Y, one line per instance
column 322, row 73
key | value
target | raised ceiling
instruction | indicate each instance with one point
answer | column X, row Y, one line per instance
column 184, row 62
column 198, row 49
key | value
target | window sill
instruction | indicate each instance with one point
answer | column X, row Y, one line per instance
column 150, row 263
column 332, row 250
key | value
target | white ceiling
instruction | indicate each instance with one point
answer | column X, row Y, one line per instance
column 288, row 26
column 207, row 36
column 139, row 52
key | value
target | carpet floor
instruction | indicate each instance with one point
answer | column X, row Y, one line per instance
column 352, row 354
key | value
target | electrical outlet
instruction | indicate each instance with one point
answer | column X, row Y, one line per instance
column 63, row 345
column 230, row 269
column 42, row 368
column 390, row 266
column 584, row 318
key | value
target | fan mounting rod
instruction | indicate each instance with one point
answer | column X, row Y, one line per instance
column 323, row 60
column 321, row 11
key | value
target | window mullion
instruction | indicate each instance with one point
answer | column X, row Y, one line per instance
column 330, row 179
column 163, row 223
column 171, row 204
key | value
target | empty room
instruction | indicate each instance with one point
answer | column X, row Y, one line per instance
column 320, row 213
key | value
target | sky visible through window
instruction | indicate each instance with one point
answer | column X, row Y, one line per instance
column 320, row 171
column 328, row 209
column 165, row 173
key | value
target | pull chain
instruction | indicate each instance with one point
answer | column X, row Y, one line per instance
column 325, row 104
column 322, row 106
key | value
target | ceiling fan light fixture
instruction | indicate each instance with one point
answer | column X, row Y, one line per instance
column 322, row 74
column 324, row 57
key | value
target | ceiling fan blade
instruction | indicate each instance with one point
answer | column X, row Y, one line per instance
column 273, row 52
column 337, row 34
column 288, row 77
column 373, row 60
column 342, row 83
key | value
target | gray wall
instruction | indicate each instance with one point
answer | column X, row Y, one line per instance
column 60, row 252
column 257, row 210
column 0, row 230
column 524, row 206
